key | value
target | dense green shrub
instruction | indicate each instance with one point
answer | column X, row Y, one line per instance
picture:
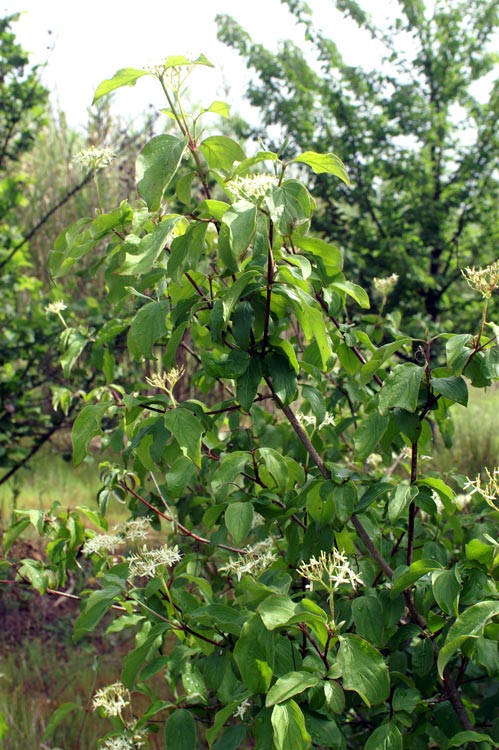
column 315, row 584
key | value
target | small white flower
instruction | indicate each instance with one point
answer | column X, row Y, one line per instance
column 330, row 571
column 483, row 280
column 55, row 307
column 112, row 699
column 253, row 187
column 102, row 543
column 241, row 709
column 93, row 158
column 255, row 559
column 489, row 490
column 166, row 381
column 145, row 564
column 137, row 528
column 383, row 287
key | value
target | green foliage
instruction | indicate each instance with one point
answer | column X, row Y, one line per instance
column 291, row 569
column 417, row 133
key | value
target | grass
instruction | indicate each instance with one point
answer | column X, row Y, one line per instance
column 49, row 477
column 476, row 436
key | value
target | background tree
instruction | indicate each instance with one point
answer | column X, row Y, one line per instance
column 41, row 191
column 418, row 133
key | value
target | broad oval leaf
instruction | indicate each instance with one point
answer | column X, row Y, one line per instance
column 470, row 624
column 180, row 731
column 124, row 77
column 324, row 164
column 156, row 166
column 401, row 388
column 363, row 669
column 289, row 727
column 385, row 737
column 289, row 685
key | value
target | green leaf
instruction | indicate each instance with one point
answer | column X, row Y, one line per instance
column 232, row 295
column 218, row 108
column 124, row 77
column 458, row 352
column 59, row 714
column 244, row 167
column 229, row 467
column 156, row 166
column 402, row 497
column 363, row 669
column 10, row 535
column 212, row 209
column 275, row 464
column 324, row 164
column 186, row 251
column 86, row 426
column 231, row 365
column 291, row 684
column 221, row 152
column 145, row 253
column 180, row 474
column 135, row 659
column 238, row 520
column 254, row 655
column 369, row 433
column 276, row 611
column 446, row 590
column 379, row 357
column 470, row 624
column 248, row 382
column 490, row 363
column 180, row 731
column 289, row 727
column 385, row 737
column 401, row 388
column 367, row 613
column 98, row 603
column 405, row 578
column 445, row 493
column 462, row 738
column 283, row 377
column 187, row 431
column 290, row 206
column 325, row 732
column 453, row 388
column 148, row 325
column 354, row 291
column 240, row 221
column 35, row 572
column 329, row 254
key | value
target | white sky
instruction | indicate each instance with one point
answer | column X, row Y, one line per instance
column 92, row 39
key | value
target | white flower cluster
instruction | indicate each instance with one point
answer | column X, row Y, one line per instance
column 330, row 571
column 241, row 709
column 145, row 564
column 55, row 308
column 166, row 381
column 129, row 531
column 112, row 699
column 102, row 543
column 93, row 158
column 385, row 286
column 255, row 559
column 129, row 741
column 137, row 528
column 483, row 280
column 489, row 490
column 311, row 419
column 253, row 187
